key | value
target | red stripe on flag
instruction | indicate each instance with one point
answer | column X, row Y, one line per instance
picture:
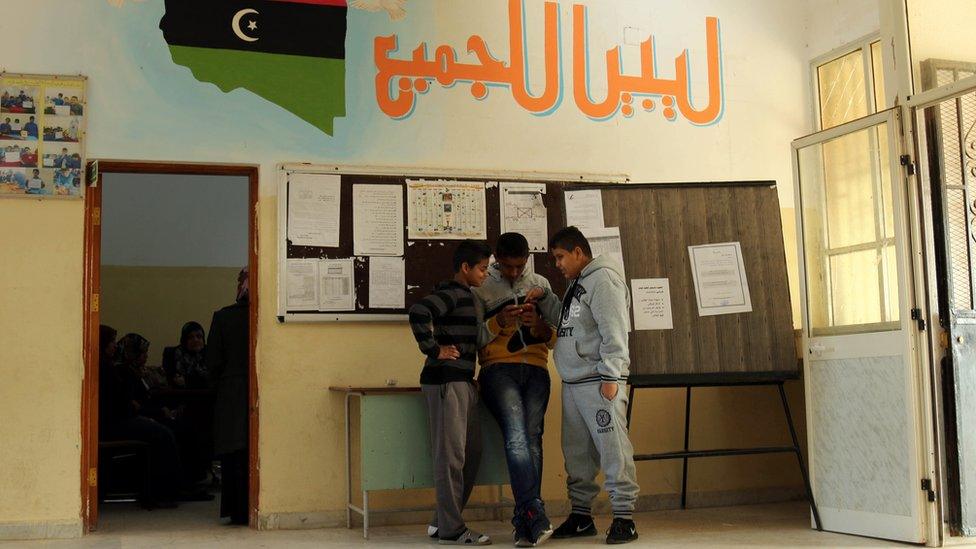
column 341, row 3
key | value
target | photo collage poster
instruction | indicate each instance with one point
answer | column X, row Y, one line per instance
column 42, row 135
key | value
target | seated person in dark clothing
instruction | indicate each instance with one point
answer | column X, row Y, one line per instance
column 185, row 365
column 123, row 398
column 186, row 368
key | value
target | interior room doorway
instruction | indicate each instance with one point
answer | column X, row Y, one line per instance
column 133, row 230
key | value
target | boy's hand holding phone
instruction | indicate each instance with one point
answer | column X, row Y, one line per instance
column 509, row 315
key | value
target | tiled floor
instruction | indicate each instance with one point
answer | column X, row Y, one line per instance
column 194, row 525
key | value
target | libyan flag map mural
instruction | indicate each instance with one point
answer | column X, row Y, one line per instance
column 290, row 52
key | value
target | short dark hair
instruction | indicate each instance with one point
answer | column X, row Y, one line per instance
column 511, row 245
column 570, row 238
column 471, row 252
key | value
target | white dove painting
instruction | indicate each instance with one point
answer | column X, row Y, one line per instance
column 396, row 9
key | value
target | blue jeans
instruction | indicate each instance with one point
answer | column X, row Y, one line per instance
column 517, row 395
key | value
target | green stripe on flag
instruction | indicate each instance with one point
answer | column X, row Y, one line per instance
column 313, row 88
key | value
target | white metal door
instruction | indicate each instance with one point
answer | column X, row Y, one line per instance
column 863, row 417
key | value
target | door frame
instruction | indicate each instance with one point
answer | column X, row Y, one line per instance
column 91, row 290
column 920, row 379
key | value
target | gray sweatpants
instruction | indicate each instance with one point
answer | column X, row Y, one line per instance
column 455, row 437
column 595, row 437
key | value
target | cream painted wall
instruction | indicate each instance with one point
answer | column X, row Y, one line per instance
column 156, row 301
column 132, row 78
column 940, row 29
column 40, row 363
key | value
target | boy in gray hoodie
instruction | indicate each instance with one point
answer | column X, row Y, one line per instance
column 593, row 359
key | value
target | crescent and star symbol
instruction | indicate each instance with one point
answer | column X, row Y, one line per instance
column 235, row 24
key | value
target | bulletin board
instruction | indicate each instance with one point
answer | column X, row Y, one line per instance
column 427, row 261
column 657, row 224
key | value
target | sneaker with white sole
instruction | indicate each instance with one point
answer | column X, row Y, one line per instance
column 537, row 526
column 468, row 537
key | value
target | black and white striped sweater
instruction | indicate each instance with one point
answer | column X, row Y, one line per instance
column 448, row 316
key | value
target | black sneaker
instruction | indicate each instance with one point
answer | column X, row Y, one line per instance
column 537, row 528
column 621, row 531
column 575, row 526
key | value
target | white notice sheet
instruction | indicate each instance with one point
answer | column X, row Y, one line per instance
column 446, row 210
column 301, row 284
column 652, row 304
column 523, row 211
column 377, row 212
column 720, row 279
column 313, row 209
column 606, row 241
column 387, row 283
column 337, row 289
column 584, row 209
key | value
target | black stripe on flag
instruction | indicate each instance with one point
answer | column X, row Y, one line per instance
column 266, row 26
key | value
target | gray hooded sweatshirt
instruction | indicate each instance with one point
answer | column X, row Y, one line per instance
column 592, row 324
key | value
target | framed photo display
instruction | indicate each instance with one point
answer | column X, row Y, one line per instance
column 42, row 136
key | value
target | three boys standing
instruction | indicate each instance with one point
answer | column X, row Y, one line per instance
column 511, row 319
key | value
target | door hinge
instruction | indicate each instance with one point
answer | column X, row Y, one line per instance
column 94, row 303
column 96, row 216
column 917, row 317
column 906, row 161
column 927, row 488
column 92, row 477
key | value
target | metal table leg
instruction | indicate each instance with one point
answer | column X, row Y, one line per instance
column 799, row 458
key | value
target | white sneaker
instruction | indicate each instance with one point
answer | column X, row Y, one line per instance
column 469, row 537
column 432, row 531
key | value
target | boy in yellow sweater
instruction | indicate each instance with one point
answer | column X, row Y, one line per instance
column 514, row 377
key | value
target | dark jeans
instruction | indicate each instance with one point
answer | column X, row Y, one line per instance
column 517, row 395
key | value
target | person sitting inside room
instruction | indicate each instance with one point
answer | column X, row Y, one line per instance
column 124, row 413
column 185, row 364
column 186, row 368
column 5, row 127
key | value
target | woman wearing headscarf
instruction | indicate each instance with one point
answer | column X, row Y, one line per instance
column 228, row 356
column 186, row 368
column 129, row 411
column 185, row 364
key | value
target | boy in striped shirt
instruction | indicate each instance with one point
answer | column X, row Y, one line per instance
column 445, row 325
